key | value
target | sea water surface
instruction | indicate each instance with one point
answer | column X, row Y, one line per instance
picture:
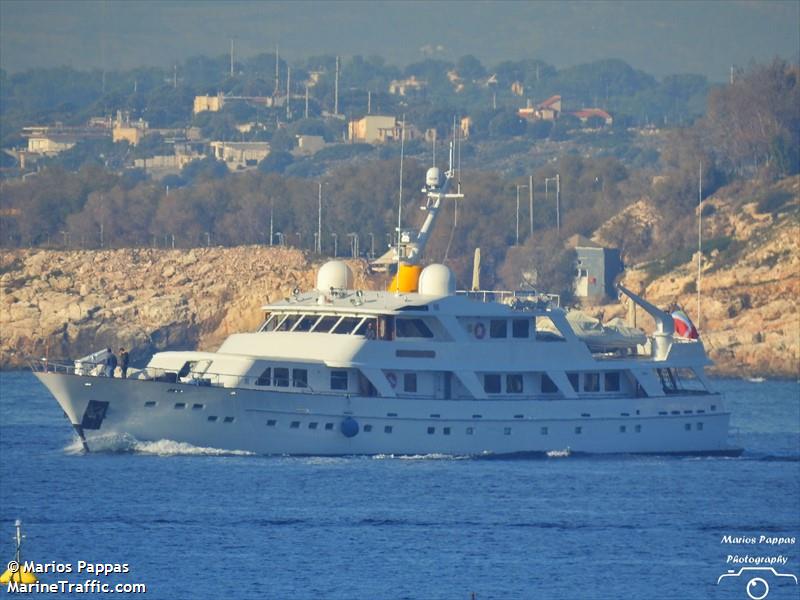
column 201, row 523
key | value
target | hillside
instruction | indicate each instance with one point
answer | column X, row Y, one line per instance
column 750, row 283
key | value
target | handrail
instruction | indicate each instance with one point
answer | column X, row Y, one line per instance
column 505, row 295
column 197, row 378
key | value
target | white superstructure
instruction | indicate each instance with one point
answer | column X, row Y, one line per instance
column 338, row 371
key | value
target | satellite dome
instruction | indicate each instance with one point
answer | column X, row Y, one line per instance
column 432, row 177
column 437, row 280
column 334, row 274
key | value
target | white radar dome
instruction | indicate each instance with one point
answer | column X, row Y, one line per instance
column 432, row 177
column 334, row 274
column 437, row 280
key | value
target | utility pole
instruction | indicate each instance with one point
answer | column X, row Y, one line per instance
column 306, row 112
column 174, row 78
column 519, row 187
column 530, row 197
column 319, row 219
column 558, row 202
column 288, row 86
column 336, row 89
column 699, row 237
column 271, row 202
column 231, row 57
column 277, row 72
column 369, row 102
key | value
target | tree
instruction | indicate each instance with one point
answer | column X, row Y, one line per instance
column 276, row 162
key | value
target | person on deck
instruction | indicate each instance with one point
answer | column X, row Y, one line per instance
column 123, row 362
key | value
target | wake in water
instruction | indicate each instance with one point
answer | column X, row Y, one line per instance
column 115, row 443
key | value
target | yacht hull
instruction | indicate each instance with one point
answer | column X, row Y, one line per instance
column 296, row 422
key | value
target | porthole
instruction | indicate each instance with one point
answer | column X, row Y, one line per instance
column 507, row 431
column 622, row 429
column 387, row 429
column 579, row 430
column 687, row 426
column 446, row 430
column 544, row 431
column 431, row 430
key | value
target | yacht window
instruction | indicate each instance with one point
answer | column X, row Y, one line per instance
column 520, row 328
column 265, row 378
column 387, row 429
column 295, row 425
column 368, row 329
column 491, row 383
column 306, row 323
column 313, row 425
column 498, row 328
column 591, row 382
column 367, row 428
column 412, row 328
column 612, row 381
column 328, row 426
column 543, row 431
column 339, row 380
column 579, row 429
column 287, row 323
column 514, row 383
column 300, row 378
column 325, row 324
column 281, row 377
column 573, row 381
column 446, row 431
column 385, row 327
column 470, row 430
column 638, row 429
column 270, row 323
column 346, row 325
column 548, row 387
column 271, row 422
column 410, row 382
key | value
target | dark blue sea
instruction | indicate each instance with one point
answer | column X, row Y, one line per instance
column 199, row 523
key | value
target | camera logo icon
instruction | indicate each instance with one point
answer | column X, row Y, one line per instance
column 757, row 586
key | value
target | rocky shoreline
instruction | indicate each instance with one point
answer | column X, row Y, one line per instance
column 66, row 304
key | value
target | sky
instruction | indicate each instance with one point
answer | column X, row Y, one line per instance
column 660, row 37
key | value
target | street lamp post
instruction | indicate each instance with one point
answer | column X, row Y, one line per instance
column 335, row 245
column 318, row 245
column 530, row 197
column 372, row 246
column 557, row 179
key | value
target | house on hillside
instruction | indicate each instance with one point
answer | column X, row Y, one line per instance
column 240, row 155
column 379, row 129
column 549, row 110
column 411, row 87
column 585, row 114
column 596, row 268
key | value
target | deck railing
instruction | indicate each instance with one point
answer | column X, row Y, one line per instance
column 524, row 298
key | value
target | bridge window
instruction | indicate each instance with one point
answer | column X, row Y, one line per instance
column 591, row 382
column 281, row 377
column 412, row 328
column 520, row 328
column 347, row 325
column 491, row 383
column 288, row 323
column 306, row 323
column 514, row 383
column 573, row 381
column 498, row 328
column 612, row 381
column 325, row 324
column 339, row 380
column 265, row 378
column 548, row 387
column 410, row 382
column 300, row 378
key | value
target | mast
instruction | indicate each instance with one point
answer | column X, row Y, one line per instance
column 699, row 237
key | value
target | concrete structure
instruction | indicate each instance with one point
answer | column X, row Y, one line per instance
column 240, row 155
column 596, row 269
column 544, row 111
column 377, row 129
column 127, row 130
column 50, row 140
column 208, row 103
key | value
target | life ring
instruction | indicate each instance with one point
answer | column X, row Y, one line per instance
column 480, row 330
column 392, row 379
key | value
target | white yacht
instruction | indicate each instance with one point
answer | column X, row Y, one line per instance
column 417, row 369
column 337, row 371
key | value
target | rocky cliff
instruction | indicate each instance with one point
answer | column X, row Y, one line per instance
column 68, row 304
column 750, row 282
